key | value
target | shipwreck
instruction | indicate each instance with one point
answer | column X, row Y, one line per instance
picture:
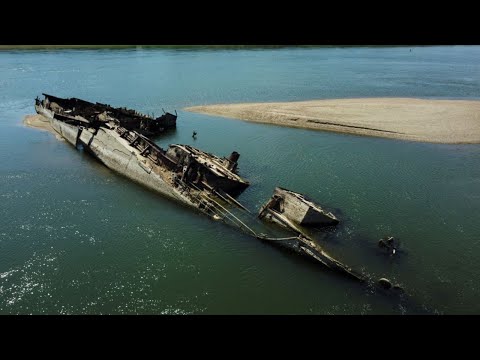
column 187, row 175
column 295, row 211
column 80, row 111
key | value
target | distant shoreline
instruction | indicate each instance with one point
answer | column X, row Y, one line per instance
column 435, row 121
column 212, row 47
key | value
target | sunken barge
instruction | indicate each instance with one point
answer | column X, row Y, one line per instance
column 81, row 111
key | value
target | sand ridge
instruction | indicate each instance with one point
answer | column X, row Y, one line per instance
column 437, row 121
column 40, row 122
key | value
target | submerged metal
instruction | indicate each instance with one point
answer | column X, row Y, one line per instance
column 294, row 210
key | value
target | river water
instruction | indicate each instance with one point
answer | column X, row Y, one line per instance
column 75, row 238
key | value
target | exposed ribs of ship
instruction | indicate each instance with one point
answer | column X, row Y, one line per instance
column 146, row 147
column 94, row 113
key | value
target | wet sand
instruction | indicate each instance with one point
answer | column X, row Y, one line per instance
column 40, row 122
column 437, row 121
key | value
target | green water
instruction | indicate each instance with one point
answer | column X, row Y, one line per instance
column 75, row 238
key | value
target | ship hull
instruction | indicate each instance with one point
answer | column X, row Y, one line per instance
column 109, row 149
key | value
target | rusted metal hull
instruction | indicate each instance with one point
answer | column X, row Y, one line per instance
column 93, row 113
column 293, row 207
column 293, row 211
column 134, row 160
column 116, row 155
column 44, row 112
column 217, row 173
column 312, row 249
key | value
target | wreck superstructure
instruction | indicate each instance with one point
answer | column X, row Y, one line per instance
column 295, row 211
column 81, row 111
column 207, row 169
column 138, row 158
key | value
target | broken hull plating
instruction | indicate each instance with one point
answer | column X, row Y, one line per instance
column 230, row 186
column 89, row 112
column 295, row 209
column 44, row 112
column 110, row 149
